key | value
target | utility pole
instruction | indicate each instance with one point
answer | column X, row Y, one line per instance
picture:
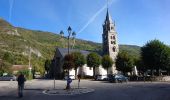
column 30, row 68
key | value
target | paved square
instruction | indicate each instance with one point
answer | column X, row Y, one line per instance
column 103, row 90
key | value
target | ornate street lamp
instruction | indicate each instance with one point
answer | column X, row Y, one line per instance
column 69, row 34
column 61, row 33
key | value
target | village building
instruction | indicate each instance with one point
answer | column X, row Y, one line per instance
column 16, row 68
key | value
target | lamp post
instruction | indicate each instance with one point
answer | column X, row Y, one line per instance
column 30, row 67
column 69, row 34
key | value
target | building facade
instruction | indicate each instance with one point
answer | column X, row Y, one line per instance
column 58, row 61
column 110, row 43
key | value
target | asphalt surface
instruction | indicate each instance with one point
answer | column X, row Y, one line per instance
column 103, row 90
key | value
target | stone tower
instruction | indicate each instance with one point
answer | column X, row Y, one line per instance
column 110, row 44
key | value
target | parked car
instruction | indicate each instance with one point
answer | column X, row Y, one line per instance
column 8, row 78
column 71, row 76
column 117, row 78
column 101, row 77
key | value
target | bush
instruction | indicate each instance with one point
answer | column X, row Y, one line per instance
column 26, row 74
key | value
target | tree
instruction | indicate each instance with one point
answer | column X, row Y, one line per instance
column 168, row 61
column 124, row 62
column 107, row 62
column 5, row 67
column 140, row 66
column 93, row 60
column 8, row 57
column 47, row 65
column 78, row 60
column 68, row 62
column 155, row 55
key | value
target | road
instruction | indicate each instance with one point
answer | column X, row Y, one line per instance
column 103, row 90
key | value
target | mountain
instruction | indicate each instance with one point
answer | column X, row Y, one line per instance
column 133, row 50
column 16, row 44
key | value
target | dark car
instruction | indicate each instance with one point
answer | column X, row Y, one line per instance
column 117, row 78
column 8, row 78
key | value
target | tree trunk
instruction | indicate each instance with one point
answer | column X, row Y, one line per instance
column 68, row 73
column 94, row 72
column 151, row 72
column 75, row 73
column 158, row 73
column 107, row 71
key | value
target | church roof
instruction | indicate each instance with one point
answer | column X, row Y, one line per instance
column 108, row 18
column 64, row 51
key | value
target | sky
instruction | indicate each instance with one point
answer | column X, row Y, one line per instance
column 137, row 21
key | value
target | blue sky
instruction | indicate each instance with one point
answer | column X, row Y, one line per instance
column 137, row 21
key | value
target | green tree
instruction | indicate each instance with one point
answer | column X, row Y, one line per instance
column 8, row 57
column 5, row 67
column 47, row 65
column 68, row 62
column 107, row 62
column 79, row 60
column 93, row 60
column 155, row 55
column 140, row 66
column 168, row 61
column 124, row 62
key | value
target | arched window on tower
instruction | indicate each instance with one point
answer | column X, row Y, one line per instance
column 114, row 49
column 112, row 28
column 113, row 37
column 112, row 42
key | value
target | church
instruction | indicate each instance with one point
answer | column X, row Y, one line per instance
column 110, row 47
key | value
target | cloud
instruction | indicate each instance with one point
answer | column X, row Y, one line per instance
column 95, row 15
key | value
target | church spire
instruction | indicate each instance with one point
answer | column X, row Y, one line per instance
column 108, row 17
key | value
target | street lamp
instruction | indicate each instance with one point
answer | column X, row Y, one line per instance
column 61, row 33
column 69, row 34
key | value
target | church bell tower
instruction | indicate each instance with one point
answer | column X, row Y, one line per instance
column 110, row 44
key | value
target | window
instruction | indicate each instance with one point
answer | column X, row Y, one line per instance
column 114, row 49
column 113, row 42
column 113, row 37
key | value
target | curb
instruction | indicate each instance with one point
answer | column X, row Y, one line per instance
column 73, row 91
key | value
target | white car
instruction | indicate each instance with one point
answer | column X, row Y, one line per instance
column 8, row 78
column 71, row 76
column 101, row 77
